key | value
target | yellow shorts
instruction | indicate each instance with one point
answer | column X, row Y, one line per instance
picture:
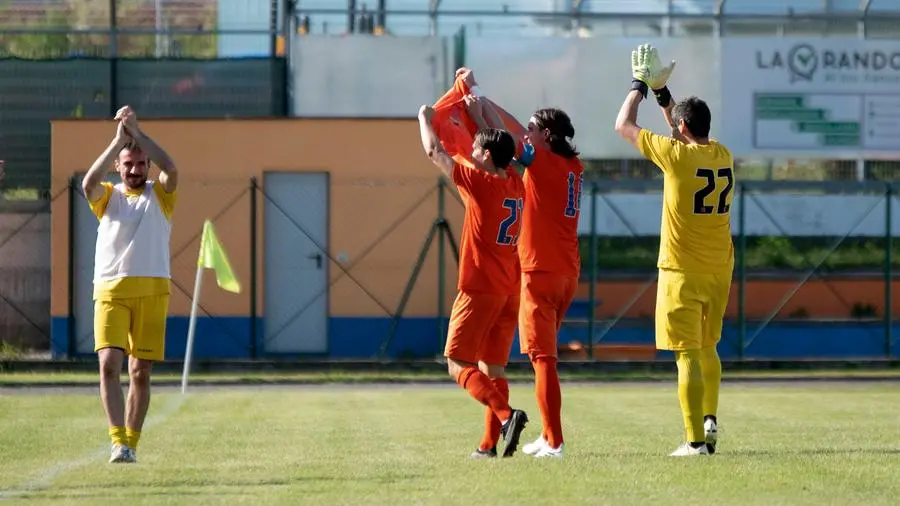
column 136, row 325
column 690, row 308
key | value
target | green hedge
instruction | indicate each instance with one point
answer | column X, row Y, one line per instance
column 762, row 254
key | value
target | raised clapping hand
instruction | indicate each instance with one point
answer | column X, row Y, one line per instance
column 123, row 138
column 647, row 67
column 128, row 118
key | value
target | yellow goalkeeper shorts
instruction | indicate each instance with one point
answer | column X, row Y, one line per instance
column 136, row 325
column 690, row 308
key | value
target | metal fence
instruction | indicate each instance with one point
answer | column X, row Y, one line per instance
column 87, row 58
column 34, row 92
column 813, row 275
column 25, row 276
column 813, row 270
column 584, row 18
column 761, row 169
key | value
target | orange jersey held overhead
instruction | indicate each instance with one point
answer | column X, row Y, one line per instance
column 549, row 238
column 488, row 258
column 454, row 127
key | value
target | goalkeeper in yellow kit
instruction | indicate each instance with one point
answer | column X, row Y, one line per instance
column 696, row 253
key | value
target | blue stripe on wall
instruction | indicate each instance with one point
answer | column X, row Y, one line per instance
column 362, row 337
column 220, row 337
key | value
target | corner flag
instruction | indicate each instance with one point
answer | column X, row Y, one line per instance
column 212, row 256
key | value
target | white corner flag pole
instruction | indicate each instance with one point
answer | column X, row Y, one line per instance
column 191, row 326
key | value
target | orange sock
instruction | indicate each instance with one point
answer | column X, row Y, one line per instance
column 549, row 398
column 482, row 390
column 491, row 422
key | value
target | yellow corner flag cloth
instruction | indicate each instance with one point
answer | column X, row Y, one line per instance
column 212, row 256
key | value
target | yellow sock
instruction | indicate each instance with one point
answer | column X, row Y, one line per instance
column 132, row 436
column 690, row 393
column 117, row 434
column 712, row 378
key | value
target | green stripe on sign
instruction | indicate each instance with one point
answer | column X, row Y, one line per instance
column 829, row 127
column 791, row 114
column 840, row 140
column 779, row 101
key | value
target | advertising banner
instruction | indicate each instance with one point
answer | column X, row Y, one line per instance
column 817, row 97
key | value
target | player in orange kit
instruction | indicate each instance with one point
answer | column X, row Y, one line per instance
column 482, row 322
column 549, row 257
column 458, row 116
column 551, row 262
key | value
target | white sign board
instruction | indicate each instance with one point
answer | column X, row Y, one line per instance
column 818, row 97
column 360, row 76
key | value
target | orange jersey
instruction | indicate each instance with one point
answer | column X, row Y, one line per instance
column 549, row 237
column 487, row 249
column 454, row 127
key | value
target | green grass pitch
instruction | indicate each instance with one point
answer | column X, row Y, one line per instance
column 783, row 443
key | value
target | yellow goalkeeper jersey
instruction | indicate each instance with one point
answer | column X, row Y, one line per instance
column 695, row 234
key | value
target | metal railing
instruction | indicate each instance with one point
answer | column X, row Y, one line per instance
column 813, row 273
column 584, row 17
column 162, row 21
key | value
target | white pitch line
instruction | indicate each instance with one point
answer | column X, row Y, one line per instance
column 45, row 477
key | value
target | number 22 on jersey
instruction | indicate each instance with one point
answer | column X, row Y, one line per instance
column 514, row 207
column 721, row 180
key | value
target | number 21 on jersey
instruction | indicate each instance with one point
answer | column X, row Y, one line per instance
column 514, row 207
column 721, row 180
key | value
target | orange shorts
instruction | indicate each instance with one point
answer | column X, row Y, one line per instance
column 545, row 299
column 482, row 328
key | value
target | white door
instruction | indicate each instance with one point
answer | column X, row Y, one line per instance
column 296, row 262
column 83, row 244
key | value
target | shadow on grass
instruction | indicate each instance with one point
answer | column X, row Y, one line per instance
column 726, row 453
column 812, row 452
column 201, row 487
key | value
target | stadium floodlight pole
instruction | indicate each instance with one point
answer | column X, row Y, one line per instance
column 592, row 258
column 191, row 327
column 575, row 7
column 720, row 8
column 742, row 268
column 433, row 6
column 113, row 59
column 862, row 27
column 442, row 265
column 888, row 271
column 159, row 24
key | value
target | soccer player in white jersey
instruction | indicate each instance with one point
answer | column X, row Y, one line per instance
column 131, row 274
